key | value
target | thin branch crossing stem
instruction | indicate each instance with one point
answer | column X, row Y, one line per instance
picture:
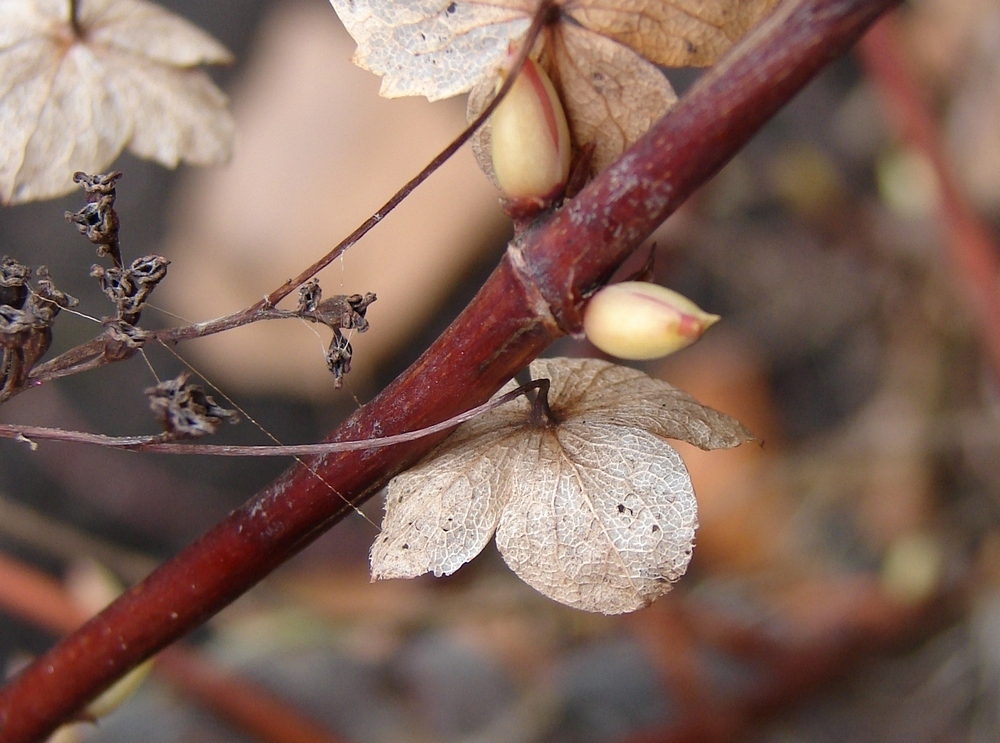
column 91, row 354
column 159, row 444
column 541, row 18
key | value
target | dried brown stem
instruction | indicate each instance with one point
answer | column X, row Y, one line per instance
column 74, row 18
column 541, row 413
column 160, row 444
column 41, row 600
column 92, row 354
column 535, row 295
column 43, row 534
column 973, row 250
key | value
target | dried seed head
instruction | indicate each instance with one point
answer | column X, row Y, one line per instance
column 338, row 358
column 185, row 411
column 13, row 282
column 638, row 320
column 530, row 141
column 98, row 220
column 129, row 288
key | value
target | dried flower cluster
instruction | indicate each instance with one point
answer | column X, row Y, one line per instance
column 340, row 312
column 185, row 410
column 26, row 316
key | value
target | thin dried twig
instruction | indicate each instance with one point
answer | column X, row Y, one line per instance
column 537, row 24
column 74, row 17
column 159, row 444
column 92, row 354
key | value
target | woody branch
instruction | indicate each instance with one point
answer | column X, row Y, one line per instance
column 535, row 295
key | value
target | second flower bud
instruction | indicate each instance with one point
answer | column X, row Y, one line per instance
column 638, row 320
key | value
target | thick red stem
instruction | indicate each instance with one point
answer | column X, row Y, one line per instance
column 534, row 295
column 41, row 600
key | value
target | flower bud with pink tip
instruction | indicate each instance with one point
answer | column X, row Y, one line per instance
column 638, row 320
column 529, row 138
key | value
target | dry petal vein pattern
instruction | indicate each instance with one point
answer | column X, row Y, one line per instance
column 612, row 525
column 434, row 48
column 597, row 512
column 72, row 104
column 601, row 55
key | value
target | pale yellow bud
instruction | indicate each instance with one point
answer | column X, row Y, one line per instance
column 529, row 138
column 913, row 567
column 638, row 320
column 93, row 587
column 116, row 694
